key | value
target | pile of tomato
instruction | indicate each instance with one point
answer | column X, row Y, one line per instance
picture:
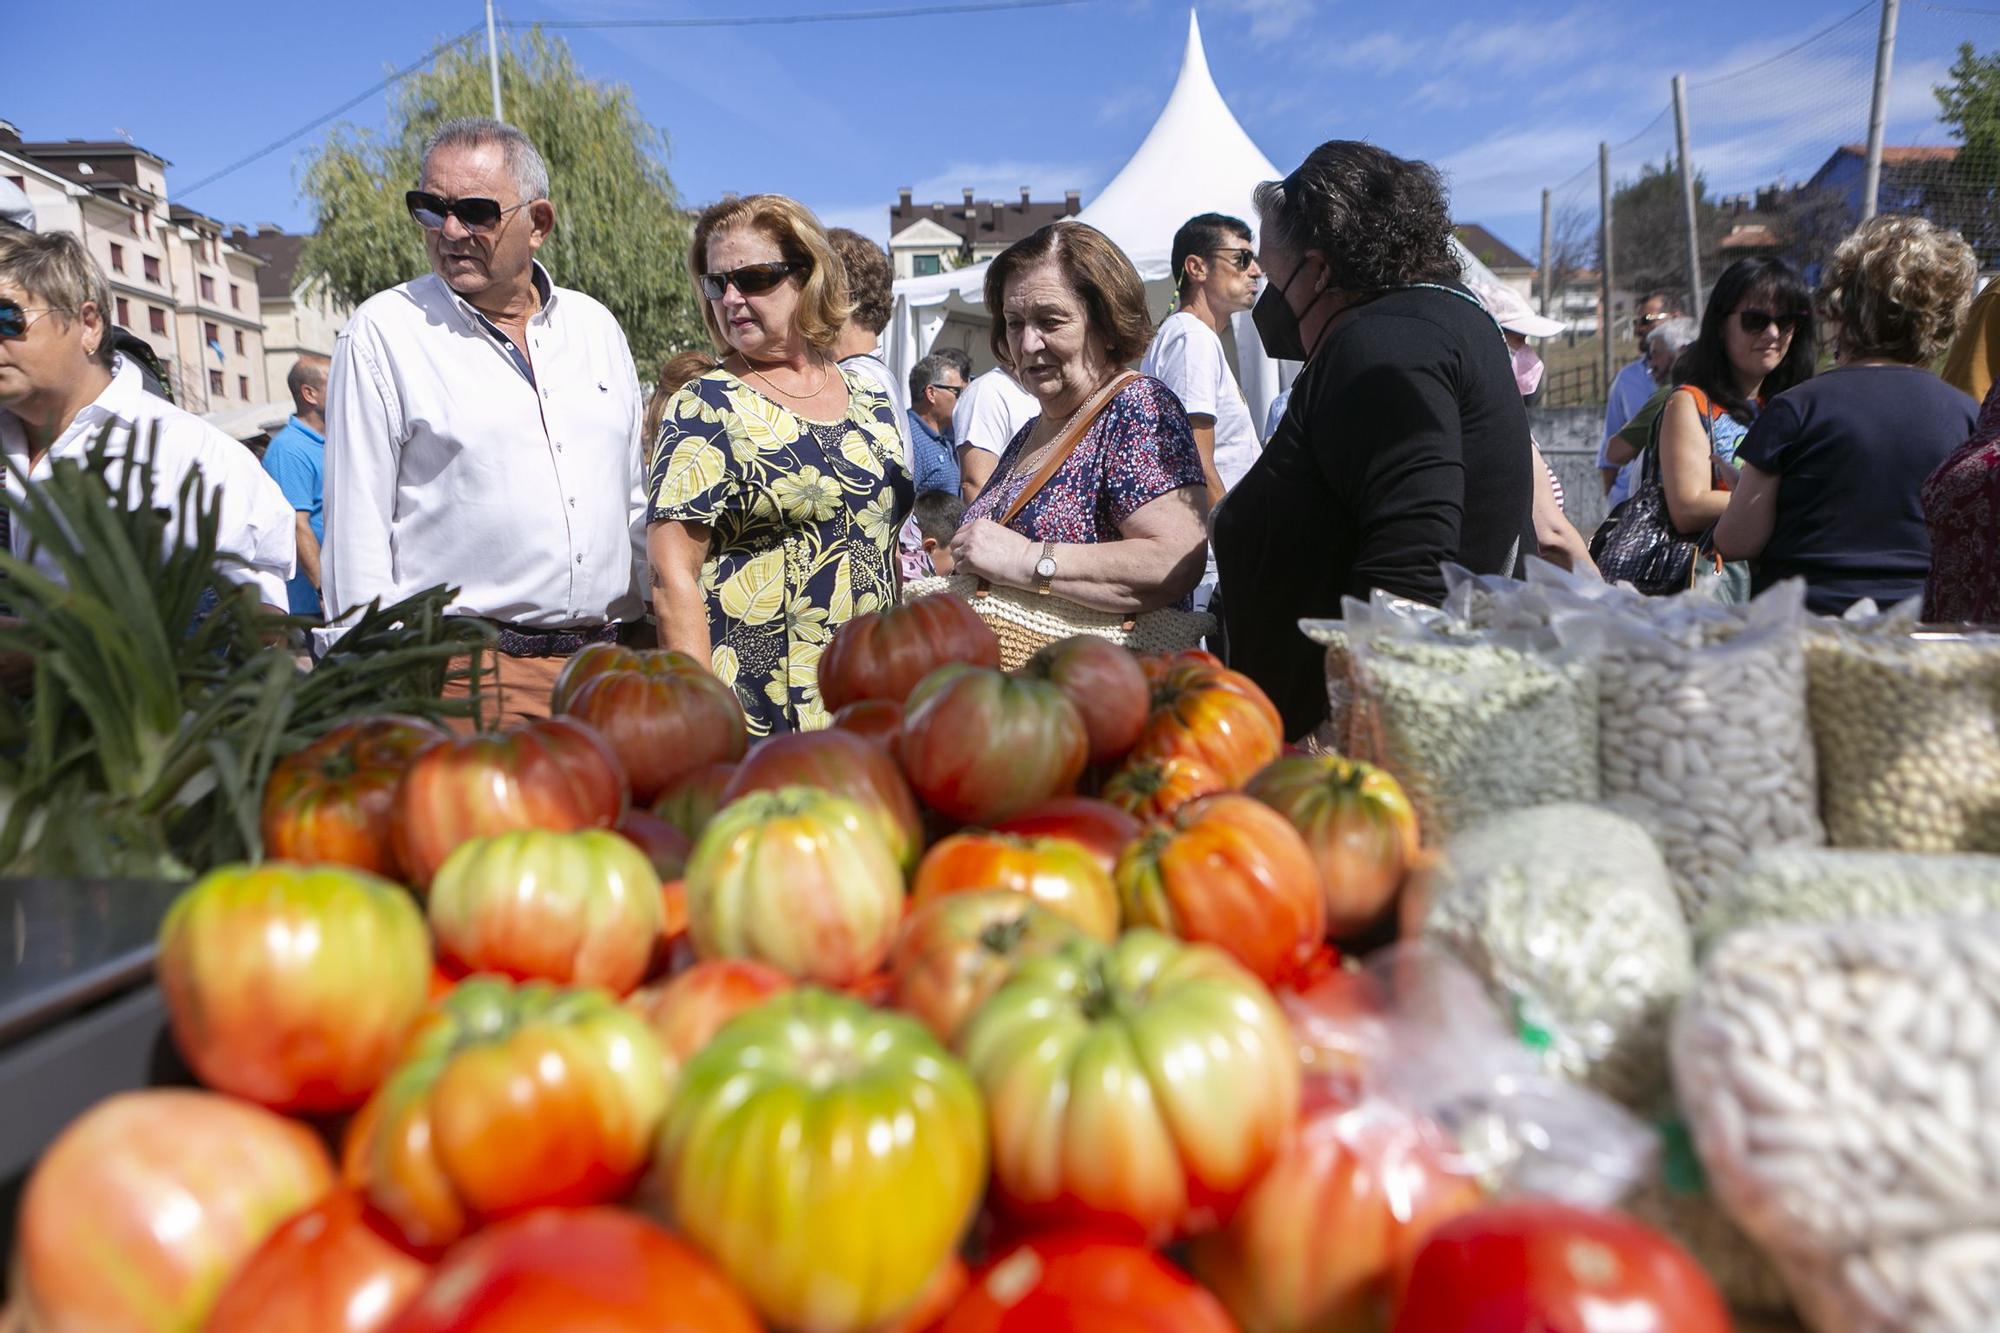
column 614, row 1021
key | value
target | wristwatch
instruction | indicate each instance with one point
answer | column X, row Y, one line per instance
column 1045, row 568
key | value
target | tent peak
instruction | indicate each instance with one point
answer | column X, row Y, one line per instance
column 1194, row 60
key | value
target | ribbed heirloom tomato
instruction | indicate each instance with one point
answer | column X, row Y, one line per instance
column 512, row 1097
column 662, row 713
column 845, row 765
column 876, row 720
column 331, row 800
column 882, row 655
column 1073, row 1282
column 979, row 746
column 955, row 951
column 664, row 844
column 828, row 1156
column 293, row 986
column 692, row 1007
column 1155, row 788
column 1360, row 826
column 554, row 773
column 692, row 799
column 1107, row 686
column 1059, row 874
column 326, row 1270
column 1213, row 714
column 1101, row 827
column 1139, row 1088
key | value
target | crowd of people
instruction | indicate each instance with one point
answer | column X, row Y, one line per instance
column 483, row 428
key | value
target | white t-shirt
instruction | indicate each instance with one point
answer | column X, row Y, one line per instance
column 1187, row 356
column 871, row 367
column 991, row 412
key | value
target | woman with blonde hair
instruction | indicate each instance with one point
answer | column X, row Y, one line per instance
column 1833, row 470
column 778, row 481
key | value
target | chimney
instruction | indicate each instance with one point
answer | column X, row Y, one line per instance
column 903, row 200
column 8, row 132
column 1072, row 202
column 969, row 212
column 937, row 211
column 993, row 215
column 1024, row 198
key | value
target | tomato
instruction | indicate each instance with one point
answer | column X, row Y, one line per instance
column 801, row 1121
column 664, row 844
column 1157, row 665
column 511, row 1097
column 585, row 665
column 882, row 655
column 1105, row 683
column 1140, row 1088
column 1325, row 1240
column 1055, row 872
column 1079, row 1283
column 1554, row 1267
column 552, row 773
column 662, row 713
column 1360, row 826
column 327, row 1270
column 845, row 765
column 330, row 801
column 1230, row 872
column 1212, row 714
column 955, row 951
column 798, row 878
column 293, row 986
column 1102, row 828
column 141, row 1208
column 979, row 746
column 577, row 1270
column 578, row 909
column 691, row 1008
column 876, row 720
column 692, row 799
column 1155, row 788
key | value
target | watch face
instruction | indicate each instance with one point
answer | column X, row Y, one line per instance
column 1045, row 568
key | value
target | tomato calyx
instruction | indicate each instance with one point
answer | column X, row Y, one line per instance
column 1003, row 937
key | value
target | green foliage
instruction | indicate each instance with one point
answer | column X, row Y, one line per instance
column 161, row 692
column 1962, row 193
column 1649, row 231
column 620, row 234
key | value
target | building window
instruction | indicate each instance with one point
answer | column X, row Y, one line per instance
column 210, row 333
column 124, row 313
column 243, row 387
column 151, row 264
column 924, row 266
column 215, row 382
column 207, row 288
column 156, row 319
column 239, row 342
column 235, row 297
column 117, row 257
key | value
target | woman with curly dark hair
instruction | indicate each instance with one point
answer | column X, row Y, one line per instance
column 1405, row 444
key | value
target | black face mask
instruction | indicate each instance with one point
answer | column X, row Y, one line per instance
column 1277, row 326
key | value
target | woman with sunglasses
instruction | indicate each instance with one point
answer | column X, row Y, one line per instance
column 1832, row 473
column 778, row 481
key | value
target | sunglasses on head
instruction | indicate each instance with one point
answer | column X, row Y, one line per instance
column 429, row 211
column 1754, row 322
column 14, row 319
column 751, row 278
column 1242, row 258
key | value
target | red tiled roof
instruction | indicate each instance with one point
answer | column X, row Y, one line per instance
column 1751, row 236
column 1907, row 154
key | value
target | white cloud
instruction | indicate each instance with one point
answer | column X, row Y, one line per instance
column 1270, row 21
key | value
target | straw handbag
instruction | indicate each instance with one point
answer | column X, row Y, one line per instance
column 1027, row 622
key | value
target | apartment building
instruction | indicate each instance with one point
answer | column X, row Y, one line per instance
column 929, row 238
column 299, row 315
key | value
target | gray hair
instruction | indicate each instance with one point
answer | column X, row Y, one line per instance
column 926, row 372
column 1674, row 335
column 524, row 163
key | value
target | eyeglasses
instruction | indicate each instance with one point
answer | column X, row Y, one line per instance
column 949, row 388
column 1647, row 321
column 1242, row 258
column 14, row 321
column 429, row 211
column 751, row 278
column 1754, row 322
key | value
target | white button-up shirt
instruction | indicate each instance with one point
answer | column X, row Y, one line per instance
column 256, row 519
column 444, row 464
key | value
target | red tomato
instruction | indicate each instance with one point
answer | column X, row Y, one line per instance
column 552, row 773
column 1155, row 788
column 842, row 763
column 692, row 799
column 686, row 1011
column 1101, row 827
column 1060, row 875
column 877, row 720
column 585, row 665
column 980, row 746
column 330, row 801
column 1558, row 1269
column 141, row 1208
column 293, row 986
column 1107, row 686
column 327, row 1270
column 1230, row 872
column 883, row 654
column 955, row 951
column 1157, row 665
column 581, row 1270
column 1360, row 826
column 1076, row 1283
column 663, row 713
column 664, row 845
column 1212, row 714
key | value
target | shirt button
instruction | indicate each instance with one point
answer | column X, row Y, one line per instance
column 572, row 502
column 579, row 560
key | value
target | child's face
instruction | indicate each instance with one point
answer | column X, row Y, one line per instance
column 940, row 555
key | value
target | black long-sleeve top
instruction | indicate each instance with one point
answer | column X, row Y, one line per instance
column 1405, row 445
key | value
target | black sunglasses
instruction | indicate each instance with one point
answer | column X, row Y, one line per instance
column 1754, row 322
column 14, row 319
column 429, row 211
column 1242, row 258
column 751, row 278
column 949, row 388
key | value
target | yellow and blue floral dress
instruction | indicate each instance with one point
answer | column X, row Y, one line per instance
column 803, row 517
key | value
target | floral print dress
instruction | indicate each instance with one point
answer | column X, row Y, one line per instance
column 803, row 517
column 1962, row 511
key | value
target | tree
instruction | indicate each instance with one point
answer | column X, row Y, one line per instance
column 1649, row 230
column 1572, row 250
column 620, row 234
column 1961, row 193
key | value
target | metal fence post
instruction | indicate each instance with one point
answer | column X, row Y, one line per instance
column 1687, row 196
column 1604, row 262
column 1878, row 109
column 1547, row 272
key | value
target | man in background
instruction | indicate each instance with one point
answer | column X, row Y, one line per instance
column 296, row 460
column 1215, row 277
column 1630, row 390
column 936, row 384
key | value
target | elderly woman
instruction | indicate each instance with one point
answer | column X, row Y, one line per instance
column 1833, row 471
column 778, row 481
column 1112, row 477
column 1406, row 441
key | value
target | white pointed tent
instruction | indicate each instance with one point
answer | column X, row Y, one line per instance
column 1196, row 159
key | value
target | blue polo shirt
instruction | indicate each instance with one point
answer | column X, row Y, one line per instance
column 296, row 460
column 936, row 463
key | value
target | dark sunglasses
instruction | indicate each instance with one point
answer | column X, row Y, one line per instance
column 751, row 278
column 949, row 388
column 14, row 319
column 429, row 211
column 1243, row 259
column 1754, row 322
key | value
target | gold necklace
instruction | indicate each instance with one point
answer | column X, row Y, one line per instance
column 1049, row 444
column 807, row 397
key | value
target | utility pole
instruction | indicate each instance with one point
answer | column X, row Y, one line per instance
column 1687, row 196
column 1878, row 109
column 1604, row 261
column 1547, row 271
column 493, row 60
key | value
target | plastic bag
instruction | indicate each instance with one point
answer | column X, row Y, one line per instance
column 1945, row 1284
column 1823, row 884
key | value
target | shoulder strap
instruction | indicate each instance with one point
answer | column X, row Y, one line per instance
column 1067, row 444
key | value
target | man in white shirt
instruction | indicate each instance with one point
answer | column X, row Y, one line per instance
column 1629, row 392
column 61, row 386
column 483, row 429
column 990, row 413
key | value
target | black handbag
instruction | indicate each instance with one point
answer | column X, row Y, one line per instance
column 1638, row 543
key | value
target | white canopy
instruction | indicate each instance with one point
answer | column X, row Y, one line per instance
column 1196, row 159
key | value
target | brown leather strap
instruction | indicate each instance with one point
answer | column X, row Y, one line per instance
column 1067, row 444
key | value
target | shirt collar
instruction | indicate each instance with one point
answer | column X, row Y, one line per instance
column 119, row 402
column 544, row 287
column 302, row 428
column 917, row 423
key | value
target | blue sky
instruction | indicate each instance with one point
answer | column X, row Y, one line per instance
column 1507, row 97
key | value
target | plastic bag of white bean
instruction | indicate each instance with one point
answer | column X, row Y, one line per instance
column 1564, row 912
column 1685, row 1210
column 1942, row 1284
column 1825, row 884
column 1836, row 1079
